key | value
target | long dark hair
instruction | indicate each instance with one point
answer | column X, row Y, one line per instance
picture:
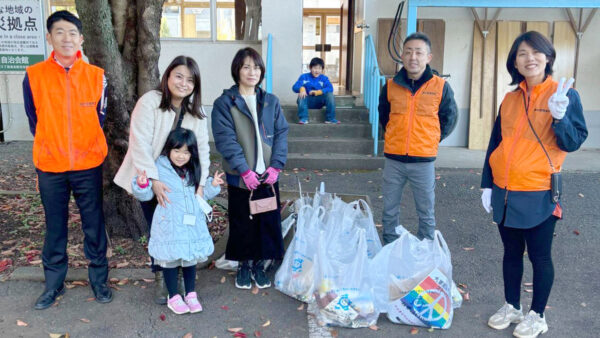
column 538, row 42
column 178, row 138
column 192, row 103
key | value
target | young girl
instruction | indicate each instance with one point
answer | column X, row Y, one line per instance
column 179, row 235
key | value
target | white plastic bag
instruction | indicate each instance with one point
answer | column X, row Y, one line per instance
column 343, row 294
column 295, row 276
column 225, row 264
column 412, row 281
column 365, row 221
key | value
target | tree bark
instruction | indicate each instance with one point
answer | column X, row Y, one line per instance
column 122, row 37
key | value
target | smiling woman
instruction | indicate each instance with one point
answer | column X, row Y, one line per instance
column 175, row 103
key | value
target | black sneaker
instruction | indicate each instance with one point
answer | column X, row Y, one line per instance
column 242, row 280
column 259, row 276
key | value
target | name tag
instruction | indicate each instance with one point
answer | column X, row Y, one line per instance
column 189, row 219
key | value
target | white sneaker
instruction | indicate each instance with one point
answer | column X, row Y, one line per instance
column 532, row 326
column 505, row 316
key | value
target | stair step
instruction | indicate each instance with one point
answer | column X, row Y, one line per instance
column 317, row 145
column 356, row 114
column 344, row 100
column 352, row 130
column 334, row 161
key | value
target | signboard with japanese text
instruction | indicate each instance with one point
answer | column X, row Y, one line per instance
column 22, row 30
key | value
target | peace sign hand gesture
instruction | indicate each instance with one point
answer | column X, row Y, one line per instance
column 559, row 101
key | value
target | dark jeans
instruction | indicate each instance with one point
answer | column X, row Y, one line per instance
column 55, row 191
column 148, row 208
column 539, row 251
column 317, row 102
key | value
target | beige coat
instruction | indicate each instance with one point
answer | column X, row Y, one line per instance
column 148, row 133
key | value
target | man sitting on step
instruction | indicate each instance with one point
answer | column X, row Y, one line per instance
column 417, row 111
column 315, row 91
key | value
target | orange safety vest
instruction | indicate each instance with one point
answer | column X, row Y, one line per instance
column 68, row 135
column 519, row 163
column 414, row 125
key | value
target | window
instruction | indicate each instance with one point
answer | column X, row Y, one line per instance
column 193, row 19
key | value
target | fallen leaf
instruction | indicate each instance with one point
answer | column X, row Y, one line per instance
column 380, row 196
column 80, row 283
column 257, row 334
column 7, row 252
column 235, row 329
column 527, row 284
column 414, row 330
column 301, row 307
column 374, row 327
column 462, row 285
column 466, row 297
column 212, row 264
column 112, row 286
column 58, row 335
column 255, row 290
column 225, row 307
column 85, row 320
column 460, row 291
column 223, row 279
column 334, row 333
column 122, row 265
column 123, row 281
column 468, row 249
column 267, row 323
column 240, row 335
column 576, row 232
column 114, row 280
column 21, row 323
column 136, row 283
column 91, row 299
column 162, row 317
column 148, row 280
column 188, row 335
column 548, row 307
column 36, row 262
column 581, row 195
column 528, row 290
column 378, row 225
column 583, row 304
column 430, row 329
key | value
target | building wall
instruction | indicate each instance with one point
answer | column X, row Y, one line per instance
column 458, row 53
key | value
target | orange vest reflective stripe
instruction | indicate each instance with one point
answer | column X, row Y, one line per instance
column 414, row 125
column 68, row 134
column 519, row 163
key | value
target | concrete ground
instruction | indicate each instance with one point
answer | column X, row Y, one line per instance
column 461, row 219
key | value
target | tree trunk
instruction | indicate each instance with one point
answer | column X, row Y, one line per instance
column 122, row 37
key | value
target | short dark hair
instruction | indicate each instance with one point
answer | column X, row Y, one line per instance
column 192, row 103
column 63, row 15
column 238, row 63
column 178, row 138
column 418, row 36
column 538, row 42
column 316, row 62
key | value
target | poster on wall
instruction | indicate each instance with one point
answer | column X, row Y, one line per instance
column 22, row 41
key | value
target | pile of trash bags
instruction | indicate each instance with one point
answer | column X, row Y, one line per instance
column 337, row 261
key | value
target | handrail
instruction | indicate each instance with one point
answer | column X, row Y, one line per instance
column 372, row 86
column 269, row 66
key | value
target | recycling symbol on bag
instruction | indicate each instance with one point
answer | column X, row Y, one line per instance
column 297, row 265
column 344, row 303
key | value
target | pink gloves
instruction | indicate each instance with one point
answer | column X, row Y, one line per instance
column 250, row 179
column 272, row 175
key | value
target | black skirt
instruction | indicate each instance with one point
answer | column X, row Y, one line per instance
column 256, row 238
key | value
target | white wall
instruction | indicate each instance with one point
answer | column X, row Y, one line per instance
column 283, row 19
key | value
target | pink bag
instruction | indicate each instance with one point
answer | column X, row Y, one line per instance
column 264, row 204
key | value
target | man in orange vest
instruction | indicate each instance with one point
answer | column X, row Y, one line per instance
column 65, row 104
column 417, row 111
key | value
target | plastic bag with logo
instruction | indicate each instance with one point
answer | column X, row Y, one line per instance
column 295, row 276
column 412, row 281
column 365, row 221
column 343, row 294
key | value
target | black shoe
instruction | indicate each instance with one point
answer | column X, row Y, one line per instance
column 242, row 280
column 161, row 295
column 102, row 293
column 259, row 275
column 48, row 298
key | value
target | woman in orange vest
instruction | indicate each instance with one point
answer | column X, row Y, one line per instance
column 538, row 123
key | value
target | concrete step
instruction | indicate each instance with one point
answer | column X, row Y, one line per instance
column 352, row 130
column 344, row 101
column 334, row 161
column 345, row 115
column 320, row 145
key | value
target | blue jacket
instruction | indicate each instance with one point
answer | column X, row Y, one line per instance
column 527, row 209
column 310, row 82
column 234, row 133
column 170, row 239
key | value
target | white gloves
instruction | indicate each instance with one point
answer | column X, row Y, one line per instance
column 559, row 101
column 486, row 199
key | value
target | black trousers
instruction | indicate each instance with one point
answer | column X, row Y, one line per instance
column 55, row 192
column 539, row 250
column 148, row 208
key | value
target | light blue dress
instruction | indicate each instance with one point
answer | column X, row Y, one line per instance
column 173, row 243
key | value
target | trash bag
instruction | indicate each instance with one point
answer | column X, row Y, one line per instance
column 412, row 281
column 343, row 294
column 225, row 264
column 295, row 276
column 365, row 221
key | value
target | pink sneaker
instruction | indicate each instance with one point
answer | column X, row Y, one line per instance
column 177, row 305
column 192, row 302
